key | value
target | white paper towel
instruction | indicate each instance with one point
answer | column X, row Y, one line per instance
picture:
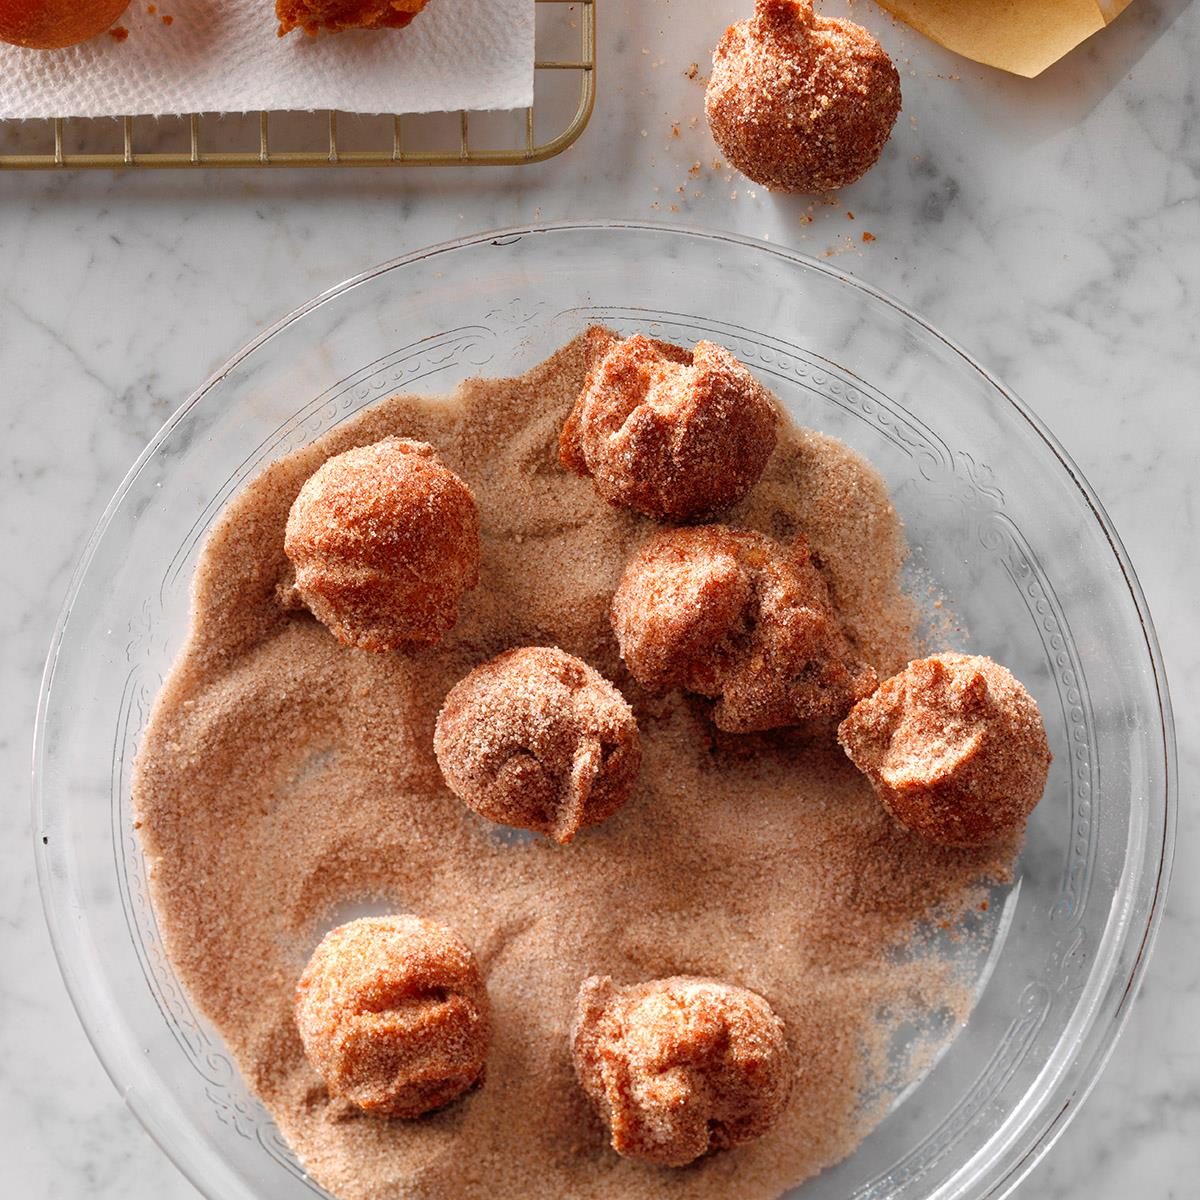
column 224, row 56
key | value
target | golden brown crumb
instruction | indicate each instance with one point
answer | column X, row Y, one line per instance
column 336, row 15
column 798, row 102
column 118, row 33
column 393, row 1014
column 680, row 1067
column 954, row 747
column 385, row 542
column 673, row 433
column 734, row 615
column 538, row 740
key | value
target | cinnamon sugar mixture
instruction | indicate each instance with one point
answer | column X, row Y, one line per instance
column 287, row 783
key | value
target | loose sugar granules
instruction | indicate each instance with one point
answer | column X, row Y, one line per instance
column 287, row 782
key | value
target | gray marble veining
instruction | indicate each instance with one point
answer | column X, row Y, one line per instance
column 1051, row 226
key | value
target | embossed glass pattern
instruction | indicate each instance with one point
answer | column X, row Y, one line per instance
column 999, row 519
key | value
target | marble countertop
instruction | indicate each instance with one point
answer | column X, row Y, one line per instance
column 1051, row 226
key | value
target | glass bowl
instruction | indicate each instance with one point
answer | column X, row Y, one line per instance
column 1000, row 521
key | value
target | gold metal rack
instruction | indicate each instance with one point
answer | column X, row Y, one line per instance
column 564, row 95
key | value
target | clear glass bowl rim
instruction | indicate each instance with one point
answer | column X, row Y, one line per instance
column 1045, row 1122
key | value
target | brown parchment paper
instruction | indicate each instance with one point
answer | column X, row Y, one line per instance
column 1021, row 36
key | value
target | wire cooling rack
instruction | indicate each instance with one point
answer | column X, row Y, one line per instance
column 564, row 95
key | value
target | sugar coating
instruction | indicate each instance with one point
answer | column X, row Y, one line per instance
column 955, row 748
column 385, row 542
column 736, row 616
column 393, row 1013
column 536, row 739
column 798, row 102
column 284, row 782
column 669, row 432
column 680, row 1067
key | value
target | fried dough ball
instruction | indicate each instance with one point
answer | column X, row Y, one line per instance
column 394, row 1015
column 385, row 542
column 679, row 1067
column 798, row 102
column 54, row 24
column 538, row 740
column 731, row 614
column 672, row 433
column 955, row 748
column 336, row 15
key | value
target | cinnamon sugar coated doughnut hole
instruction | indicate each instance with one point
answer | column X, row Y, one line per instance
column 384, row 541
column 955, row 748
column 673, row 433
column 394, row 1016
column 536, row 739
column 735, row 616
column 799, row 102
column 680, row 1067
column 335, row 15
